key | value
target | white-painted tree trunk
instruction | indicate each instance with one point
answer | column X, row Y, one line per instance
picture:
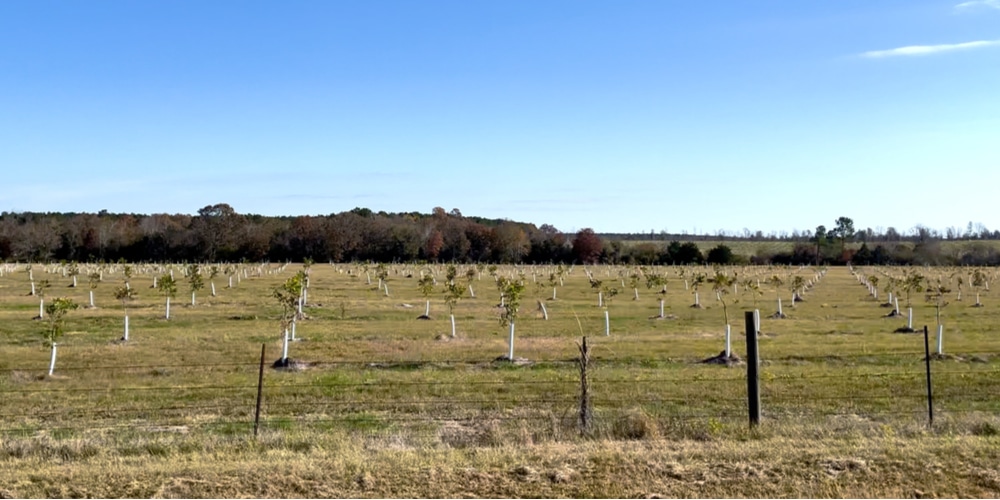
column 685, row 284
column 607, row 323
column 427, row 308
column 52, row 362
column 168, row 307
column 553, row 293
column 305, row 296
column 193, row 302
column 697, row 300
column 510, row 342
column 977, row 299
column 41, row 308
column 780, row 313
column 600, row 299
column 896, row 300
column 756, row 320
column 729, row 345
column 293, row 330
column 230, row 282
column 92, row 299
column 31, row 275
column 635, row 293
column 385, row 286
column 661, row 309
column 909, row 318
column 212, row 284
column 125, row 337
column 472, row 293
column 74, row 281
column 545, row 312
column 452, row 326
column 284, row 346
column 32, row 288
column 940, row 340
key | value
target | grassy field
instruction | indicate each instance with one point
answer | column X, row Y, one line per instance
column 389, row 405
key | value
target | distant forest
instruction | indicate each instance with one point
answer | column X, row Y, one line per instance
column 218, row 233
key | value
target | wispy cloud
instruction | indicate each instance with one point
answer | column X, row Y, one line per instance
column 976, row 4
column 923, row 50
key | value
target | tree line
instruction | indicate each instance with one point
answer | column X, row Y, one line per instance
column 217, row 233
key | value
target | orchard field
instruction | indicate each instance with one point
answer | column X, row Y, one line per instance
column 377, row 402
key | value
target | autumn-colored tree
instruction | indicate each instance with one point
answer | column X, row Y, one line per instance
column 587, row 246
column 433, row 245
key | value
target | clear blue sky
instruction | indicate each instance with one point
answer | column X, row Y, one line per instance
column 618, row 115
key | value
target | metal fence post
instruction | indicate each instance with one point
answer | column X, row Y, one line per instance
column 260, row 390
column 927, row 363
column 753, row 375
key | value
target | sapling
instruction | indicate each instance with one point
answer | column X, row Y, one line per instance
column 426, row 287
column 776, row 282
column 798, row 282
column 512, row 290
column 287, row 295
column 470, row 275
column 382, row 272
column 697, row 280
column 55, row 325
column 936, row 295
column 124, row 293
column 73, row 270
column 195, row 282
column 978, row 279
column 912, row 282
column 596, row 284
column 656, row 280
column 127, row 271
column 452, row 294
column 720, row 284
column 633, row 282
column 539, row 288
column 168, row 288
column 94, row 279
column 40, row 292
column 212, row 273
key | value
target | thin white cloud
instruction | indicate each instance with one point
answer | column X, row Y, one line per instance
column 923, row 50
column 975, row 4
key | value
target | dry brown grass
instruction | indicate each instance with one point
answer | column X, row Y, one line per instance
column 391, row 412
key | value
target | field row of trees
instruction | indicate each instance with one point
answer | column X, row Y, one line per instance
column 218, row 234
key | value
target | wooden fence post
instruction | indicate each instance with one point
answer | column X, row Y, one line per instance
column 584, row 386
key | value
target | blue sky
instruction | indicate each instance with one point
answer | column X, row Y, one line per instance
column 621, row 116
